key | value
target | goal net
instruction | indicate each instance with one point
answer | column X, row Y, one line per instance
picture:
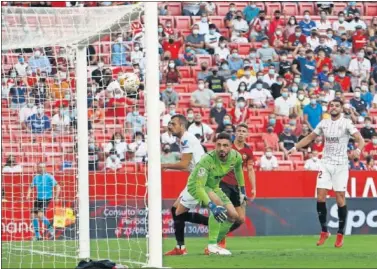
column 74, row 136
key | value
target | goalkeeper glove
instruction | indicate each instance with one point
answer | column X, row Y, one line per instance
column 243, row 197
column 219, row 212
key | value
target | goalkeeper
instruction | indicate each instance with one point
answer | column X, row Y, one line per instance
column 203, row 185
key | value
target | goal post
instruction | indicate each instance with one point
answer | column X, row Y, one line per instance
column 114, row 215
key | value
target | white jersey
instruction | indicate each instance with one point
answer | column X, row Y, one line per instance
column 190, row 144
column 337, row 135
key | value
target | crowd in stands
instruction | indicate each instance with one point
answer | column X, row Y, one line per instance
column 221, row 64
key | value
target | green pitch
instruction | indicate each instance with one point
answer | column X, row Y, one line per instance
column 248, row 252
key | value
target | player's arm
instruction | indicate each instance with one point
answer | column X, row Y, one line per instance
column 357, row 136
column 304, row 142
column 183, row 164
column 57, row 191
column 30, row 189
column 251, row 174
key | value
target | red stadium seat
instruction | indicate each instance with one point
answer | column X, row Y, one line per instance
column 217, row 20
column 164, row 19
column 209, row 146
column 50, row 147
column 370, row 8
column 222, row 8
column 339, row 6
column 185, row 71
column 279, row 155
column 373, row 112
column 260, row 5
column 361, row 7
column 195, row 19
column 255, row 120
column 225, row 32
column 35, row 157
column 174, row 8
column 182, row 22
column 271, row 7
column 265, row 112
column 297, row 156
column 9, row 148
column 254, row 138
column 285, row 165
column 303, row 6
column 241, row 5
column 64, row 138
column 188, row 81
column 299, row 165
column 204, row 58
column 244, row 49
column 258, row 155
column 290, row 8
column 31, row 147
column 259, row 145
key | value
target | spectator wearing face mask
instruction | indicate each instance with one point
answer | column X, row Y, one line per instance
column 287, row 140
column 301, row 102
column 222, row 51
column 17, row 96
column 278, row 41
column 268, row 161
column 189, row 57
column 230, row 15
column 138, row 148
column 307, row 25
column 357, row 23
column 39, row 62
column 173, row 46
column 357, row 165
column 171, row 75
column 284, row 105
column 58, row 87
column 26, row 111
column 271, row 139
column 323, row 62
column 134, row 121
column 137, row 54
column 170, row 96
column 360, row 69
column 241, row 92
column 235, row 61
column 343, row 79
column 211, row 39
column 313, row 112
column 113, row 162
column 274, row 123
column 323, row 75
column 366, row 96
column 312, row 40
column 118, row 52
column 367, row 131
column 239, row 28
column 259, row 96
column 359, row 39
column 202, row 97
column 271, row 77
column 357, row 102
column 192, row 9
column 190, row 117
column 305, row 132
column 247, row 75
column 370, row 56
column 168, row 137
column 371, row 165
column 341, row 23
column 250, row 12
column 313, row 164
column 60, row 121
column 218, row 112
column 318, row 145
column 167, row 117
column 240, row 113
column 267, row 53
column 205, row 132
column 196, row 41
column 227, row 120
column 225, row 72
column 255, row 63
column 117, row 145
column 322, row 45
column 290, row 30
column 307, row 65
column 259, row 27
column 216, row 83
column 21, row 66
column 203, row 24
column 118, row 104
column 96, row 114
column 38, row 123
column 233, row 83
column 285, row 66
column 331, row 83
column 204, row 73
column 93, row 155
column 41, row 90
column 344, row 43
column 11, row 166
column 167, row 156
column 296, row 126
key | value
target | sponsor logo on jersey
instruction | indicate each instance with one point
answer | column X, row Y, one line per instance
column 184, row 144
column 202, row 171
column 244, row 157
column 332, row 139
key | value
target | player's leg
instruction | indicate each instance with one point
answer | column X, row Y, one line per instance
column 323, row 185
column 35, row 220
column 340, row 181
column 42, row 216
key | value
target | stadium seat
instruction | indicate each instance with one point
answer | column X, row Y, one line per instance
column 254, row 138
column 174, row 8
column 339, row 6
column 264, row 112
column 290, row 8
column 67, row 147
column 297, row 156
column 35, row 157
column 244, row 49
column 9, row 148
column 64, row 138
column 370, row 8
column 285, row 165
column 188, row 81
column 299, row 165
column 182, row 22
column 217, row 20
column 204, row 58
column 195, row 19
column 271, row 7
column 227, row 97
column 31, row 147
column 306, row 6
column 258, row 155
column 361, row 7
column 259, row 145
column 279, row 155
column 224, row 32
column 241, row 5
column 164, row 19
column 222, row 8
column 209, row 146
column 253, row 120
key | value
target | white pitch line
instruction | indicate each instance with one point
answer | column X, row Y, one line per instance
column 46, row 253
column 259, row 250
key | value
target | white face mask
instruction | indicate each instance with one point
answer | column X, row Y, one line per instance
column 117, row 141
column 195, row 31
column 171, row 65
column 201, row 86
column 37, row 53
column 269, row 154
column 137, row 48
column 100, row 65
column 120, row 39
column 117, row 96
column 241, row 104
column 357, row 94
column 113, row 157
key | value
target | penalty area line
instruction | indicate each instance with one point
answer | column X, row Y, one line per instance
column 46, row 253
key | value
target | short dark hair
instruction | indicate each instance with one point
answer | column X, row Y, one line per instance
column 242, row 125
column 367, row 118
column 182, row 119
column 337, row 100
column 308, row 51
column 224, row 135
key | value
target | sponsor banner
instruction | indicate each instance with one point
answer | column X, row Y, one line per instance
column 114, row 187
column 126, row 219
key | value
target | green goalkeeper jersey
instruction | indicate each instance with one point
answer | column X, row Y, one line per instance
column 209, row 171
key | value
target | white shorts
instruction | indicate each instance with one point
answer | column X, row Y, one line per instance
column 333, row 177
column 187, row 200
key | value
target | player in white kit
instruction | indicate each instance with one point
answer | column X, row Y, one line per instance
column 334, row 172
column 191, row 152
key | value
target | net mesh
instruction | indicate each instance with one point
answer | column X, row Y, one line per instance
column 39, row 134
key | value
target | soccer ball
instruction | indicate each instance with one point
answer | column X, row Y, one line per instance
column 131, row 82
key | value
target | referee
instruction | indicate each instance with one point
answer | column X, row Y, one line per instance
column 44, row 184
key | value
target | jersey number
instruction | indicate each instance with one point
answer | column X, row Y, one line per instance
column 320, row 174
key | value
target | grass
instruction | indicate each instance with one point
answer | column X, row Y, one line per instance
column 359, row 251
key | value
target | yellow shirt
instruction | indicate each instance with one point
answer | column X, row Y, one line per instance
column 58, row 91
column 300, row 105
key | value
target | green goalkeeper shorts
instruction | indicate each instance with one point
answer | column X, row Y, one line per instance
column 222, row 196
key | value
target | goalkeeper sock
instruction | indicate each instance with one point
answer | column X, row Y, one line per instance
column 179, row 228
column 322, row 215
column 36, row 227
column 197, row 218
column 224, row 229
column 46, row 222
column 213, row 230
column 235, row 226
column 342, row 214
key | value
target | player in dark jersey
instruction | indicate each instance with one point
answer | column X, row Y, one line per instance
column 229, row 183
